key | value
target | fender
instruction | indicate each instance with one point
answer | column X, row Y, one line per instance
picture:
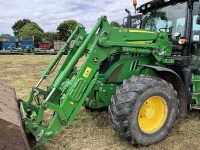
column 173, row 78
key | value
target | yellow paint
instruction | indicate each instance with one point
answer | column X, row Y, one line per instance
column 71, row 102
column 152, row 114
column 87, row 72
column 141, row 31
column 140, row 42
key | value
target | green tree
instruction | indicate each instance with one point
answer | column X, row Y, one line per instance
column 114, row 24
column 49, row 37
column 65, row 29
column 32, row 29
column 18, row 25
column 6, row 34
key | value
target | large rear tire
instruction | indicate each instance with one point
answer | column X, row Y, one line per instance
column 144, row 109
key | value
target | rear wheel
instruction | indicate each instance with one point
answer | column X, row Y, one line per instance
column 144, row 109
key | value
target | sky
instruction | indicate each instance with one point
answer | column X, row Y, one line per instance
column 49, row 14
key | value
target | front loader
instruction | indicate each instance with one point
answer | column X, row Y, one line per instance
column 146, row 73
column 115, row 57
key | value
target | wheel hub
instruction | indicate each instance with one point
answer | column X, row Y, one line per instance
column 152, row 114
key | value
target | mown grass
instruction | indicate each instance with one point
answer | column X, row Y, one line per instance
column 90, row 130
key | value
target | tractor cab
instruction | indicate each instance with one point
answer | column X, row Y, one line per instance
column 180, row 19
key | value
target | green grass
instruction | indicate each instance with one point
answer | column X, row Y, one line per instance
column 91, row 130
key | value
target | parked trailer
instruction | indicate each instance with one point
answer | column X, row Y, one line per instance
column 27, row 44
column 8, row 45
column 58, row 44
column 45, row 45
column 8, row 42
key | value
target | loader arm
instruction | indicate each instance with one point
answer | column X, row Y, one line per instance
column 65, row 108
column 70, row 88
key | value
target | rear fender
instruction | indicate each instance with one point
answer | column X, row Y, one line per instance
column 173, row 78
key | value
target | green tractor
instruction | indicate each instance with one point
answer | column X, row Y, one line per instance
column 146, row 73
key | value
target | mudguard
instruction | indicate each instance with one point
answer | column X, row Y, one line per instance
column 173, row 78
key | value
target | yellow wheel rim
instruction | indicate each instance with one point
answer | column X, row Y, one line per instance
column 152, row 114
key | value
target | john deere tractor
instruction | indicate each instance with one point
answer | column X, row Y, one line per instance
column 146, row 73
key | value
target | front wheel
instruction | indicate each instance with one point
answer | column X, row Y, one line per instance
column 144, row 109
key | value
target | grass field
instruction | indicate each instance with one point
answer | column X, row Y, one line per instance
column 91, row 130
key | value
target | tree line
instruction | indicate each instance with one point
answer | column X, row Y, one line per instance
column 25, row 27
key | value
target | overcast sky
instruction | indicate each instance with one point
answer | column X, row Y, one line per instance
column 49, row 14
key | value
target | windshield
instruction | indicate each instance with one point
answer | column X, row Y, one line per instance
column 170, row 19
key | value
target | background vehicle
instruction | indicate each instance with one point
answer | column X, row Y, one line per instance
column 8, row 42
column 146, row 76
column 27, row 44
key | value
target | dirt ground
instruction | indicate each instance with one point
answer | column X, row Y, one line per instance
column 91, row 130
